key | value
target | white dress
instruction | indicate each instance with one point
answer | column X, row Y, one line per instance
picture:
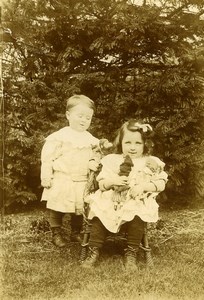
column 65, row 157
column 146, row 207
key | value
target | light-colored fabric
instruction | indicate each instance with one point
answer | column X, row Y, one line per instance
column 65, row 157
column 146, row 207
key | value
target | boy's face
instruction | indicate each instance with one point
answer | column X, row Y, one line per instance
column 79, row 117
column 132, row 144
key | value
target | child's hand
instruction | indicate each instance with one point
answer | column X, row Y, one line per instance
column 136, row 191
column 46, row 183
column 121, row 180
column 93, row 165
column 107, row 184
column 104, row 144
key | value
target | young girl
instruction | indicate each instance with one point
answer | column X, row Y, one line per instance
column 65, row 164
column 129, row 182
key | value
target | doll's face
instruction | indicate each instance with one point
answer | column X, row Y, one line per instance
column 132, row 144
column 79, row 117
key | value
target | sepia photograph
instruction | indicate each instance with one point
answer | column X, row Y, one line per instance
column 102, row 149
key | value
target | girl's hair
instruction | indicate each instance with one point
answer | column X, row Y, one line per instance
column 135, row 126
column 79, row 99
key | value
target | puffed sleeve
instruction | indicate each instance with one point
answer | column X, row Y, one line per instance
column 92, row 139
column 48, row 155
column 95, row 141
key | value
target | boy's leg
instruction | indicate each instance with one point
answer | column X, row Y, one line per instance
column 96, row 241
column 135, row 231
column 55, row 220
column 76, row 224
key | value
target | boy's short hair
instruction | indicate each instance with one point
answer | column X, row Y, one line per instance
column 79, row 99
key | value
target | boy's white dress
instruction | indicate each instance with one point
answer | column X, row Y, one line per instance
column 102, row 206
column 65, row 157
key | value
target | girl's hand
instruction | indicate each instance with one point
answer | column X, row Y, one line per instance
column 120, row 181
column 107, row 184
column 136, row 191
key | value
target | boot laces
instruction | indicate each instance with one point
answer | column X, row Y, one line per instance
column 130, row 253
column 93, row 253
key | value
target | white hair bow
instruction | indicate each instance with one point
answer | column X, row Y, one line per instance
column 144, row 127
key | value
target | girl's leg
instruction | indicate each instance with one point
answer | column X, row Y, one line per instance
column 76, row 227
column 96, row 241
column 55, row 220
column 98, row 233
column 135, row 231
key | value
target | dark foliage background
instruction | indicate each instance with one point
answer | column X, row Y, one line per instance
column 133, row 60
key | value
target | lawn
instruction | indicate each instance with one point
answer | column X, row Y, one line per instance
column 32, row 268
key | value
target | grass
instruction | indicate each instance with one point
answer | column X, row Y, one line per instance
column 32, row 268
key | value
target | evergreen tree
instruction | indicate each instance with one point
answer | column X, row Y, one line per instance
column 144, row 61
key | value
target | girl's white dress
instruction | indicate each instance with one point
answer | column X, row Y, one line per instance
column 65, row 157
column 146, row 207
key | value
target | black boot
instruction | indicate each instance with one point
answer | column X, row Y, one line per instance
column 92, row 258
column 130, row 259
column 57, row 238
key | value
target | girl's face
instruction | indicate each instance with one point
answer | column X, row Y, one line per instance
column 132, row 144
column 79, row 117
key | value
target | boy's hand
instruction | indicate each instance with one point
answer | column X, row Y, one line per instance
column 46, row 183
